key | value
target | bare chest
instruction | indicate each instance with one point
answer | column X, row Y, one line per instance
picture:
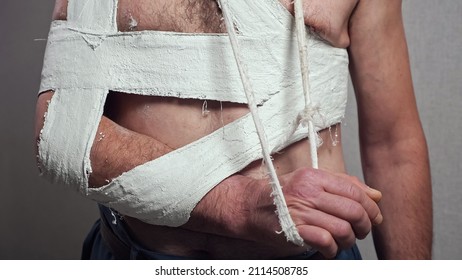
column 329, row 18
column 197, row 16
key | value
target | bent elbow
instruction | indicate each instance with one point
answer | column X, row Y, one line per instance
column 63, row 138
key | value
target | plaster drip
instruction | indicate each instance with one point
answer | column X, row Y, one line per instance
column 205, row 111
column 101, row 136
column 334, row 138
column 133, row 24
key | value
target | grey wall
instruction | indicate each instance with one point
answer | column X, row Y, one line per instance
column 37, row 220
column 40, row 221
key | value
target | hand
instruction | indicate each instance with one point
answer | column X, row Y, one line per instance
column 329, row 209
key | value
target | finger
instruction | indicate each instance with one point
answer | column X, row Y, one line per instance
column 362, row 202
column 368, row 201
column 345, row 186
column 344, row 210
column 319, row 239
column 340, row 229
column 372, row 193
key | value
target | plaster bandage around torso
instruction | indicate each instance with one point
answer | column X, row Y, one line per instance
column 86, row 57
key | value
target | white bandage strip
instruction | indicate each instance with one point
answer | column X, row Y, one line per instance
column 161, row 64
column 203, row 67
column 93, row 16
column 160, row 192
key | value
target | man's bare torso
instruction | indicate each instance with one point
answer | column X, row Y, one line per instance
column 176, row 122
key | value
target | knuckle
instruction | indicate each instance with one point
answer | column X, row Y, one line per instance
column 353, row 192
column 343, row 231
column 344, row 235
column 306, row 174
column 357, row 194
column 358, row 220
column 325, row 240
column 355, row 179
column 326, row 244
column 356, row 213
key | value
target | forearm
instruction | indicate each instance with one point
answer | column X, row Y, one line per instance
column 240, row 207
column 401, row 172
column 227, row 210
column 117, row 150
column 223, row 211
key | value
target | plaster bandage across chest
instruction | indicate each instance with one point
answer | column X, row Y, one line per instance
column 86, row 57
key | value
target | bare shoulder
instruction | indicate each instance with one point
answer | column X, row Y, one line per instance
column 371, row 15
column 60, row 11
column 375, row 25
column 328, row 18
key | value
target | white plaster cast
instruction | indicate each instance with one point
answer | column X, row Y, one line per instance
column 82, row 65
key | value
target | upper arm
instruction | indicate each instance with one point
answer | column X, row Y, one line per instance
column 40, row 110
column 60, row 11
column 381, row 74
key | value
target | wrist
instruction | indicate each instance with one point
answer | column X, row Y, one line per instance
column 230, row 209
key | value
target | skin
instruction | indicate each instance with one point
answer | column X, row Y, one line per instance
column 330, row 208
